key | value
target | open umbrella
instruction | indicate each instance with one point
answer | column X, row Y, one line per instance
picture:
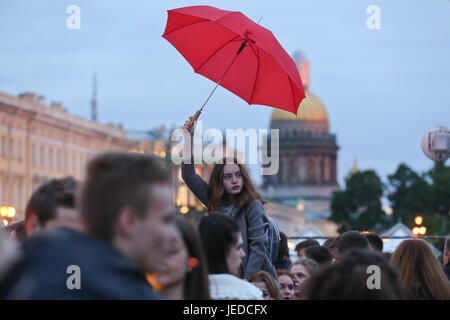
column 236, row 53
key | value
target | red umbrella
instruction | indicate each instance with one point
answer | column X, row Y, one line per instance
column 237, row 53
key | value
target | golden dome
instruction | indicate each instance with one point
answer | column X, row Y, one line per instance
column 311, row 109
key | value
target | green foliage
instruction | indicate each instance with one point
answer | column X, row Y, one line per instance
column 426, row 195
column 358, row 207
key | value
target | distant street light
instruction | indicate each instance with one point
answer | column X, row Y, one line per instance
column 418, row 229
column 418, row 220
column 7, row 214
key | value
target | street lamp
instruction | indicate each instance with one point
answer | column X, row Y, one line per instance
column 7, row 214
column 419, row 229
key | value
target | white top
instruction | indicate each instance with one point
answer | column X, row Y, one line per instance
column 229, row 287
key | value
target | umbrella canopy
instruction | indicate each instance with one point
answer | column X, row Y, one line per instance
column 227, row 47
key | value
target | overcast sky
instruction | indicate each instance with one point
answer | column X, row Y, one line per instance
column 382, row 88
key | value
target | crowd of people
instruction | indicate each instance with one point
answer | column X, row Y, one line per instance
column 116, row 236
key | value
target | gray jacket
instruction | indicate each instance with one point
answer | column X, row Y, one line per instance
column 253, row 222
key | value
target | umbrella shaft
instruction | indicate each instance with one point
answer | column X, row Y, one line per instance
column 223, row 76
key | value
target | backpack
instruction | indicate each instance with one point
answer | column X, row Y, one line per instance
column 274, row 239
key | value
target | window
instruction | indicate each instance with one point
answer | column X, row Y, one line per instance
column 33, row 155
column 3, row 147
column 4, row 193
column 11, row 148
column 19, row 196
column 19, row 150
column 50, row 159
column 74, row 164
column 42, row 156
column 58, row 160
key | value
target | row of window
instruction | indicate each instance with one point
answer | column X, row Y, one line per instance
column 15, row 196
column 56, row 159
column 8, row 149
column 44, row 157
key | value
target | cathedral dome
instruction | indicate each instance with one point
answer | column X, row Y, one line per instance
column 311, row 109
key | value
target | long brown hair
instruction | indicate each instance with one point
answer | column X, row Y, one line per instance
column 263, row 276
column 419, row 269
column 216, row 190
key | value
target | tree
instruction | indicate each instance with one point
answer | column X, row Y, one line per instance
column 439, row 177
column 409, row 194
column 426, row 195
column 358, row 207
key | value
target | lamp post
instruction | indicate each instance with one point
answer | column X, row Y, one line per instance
column 7, row 214
column 419, row 229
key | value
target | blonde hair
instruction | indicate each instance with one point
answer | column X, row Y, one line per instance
column 419, row 268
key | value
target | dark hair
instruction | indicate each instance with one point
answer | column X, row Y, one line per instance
column 351, row 240
column 19, row 229
column 319, row 254
column 219, row 234
column 216, row 191
column 447, row 243
column 49, row 196
column 375, row 241
column 347, row 279
column 196, row 285
column 305, row 244
column 328, row 242
column 283, row 249
column 116, row 180
column 263, row 276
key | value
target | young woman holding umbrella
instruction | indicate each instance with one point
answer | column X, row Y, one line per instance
column 231, row 191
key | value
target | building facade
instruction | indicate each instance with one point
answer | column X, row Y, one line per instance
column 307, row 175
column 40, row 142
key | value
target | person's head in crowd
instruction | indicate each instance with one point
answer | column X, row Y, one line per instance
column 319, row 254
column 350, row 240
column 332, row 247
column 446, row 258
column 267, row 284
column 387, row 255
column 375, row 242
column 286, row 280
column 127, row 202
column 53, row 205
column 185, row 274
column 419, row 271
column 328, row 242
column 230, row 183
column 283, row 260
column 222, row 242
column 349, row 279
column 302, row 269
column 283, row 249
column 301, row 247
column 17, row 232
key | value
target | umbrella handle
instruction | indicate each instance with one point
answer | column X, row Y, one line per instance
column 194, row 118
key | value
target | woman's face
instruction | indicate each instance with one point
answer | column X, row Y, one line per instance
column 235, row 256
column 175, row 268
column 232, row 178
column 261, row 285
column 301, row 274
column 287, row 287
